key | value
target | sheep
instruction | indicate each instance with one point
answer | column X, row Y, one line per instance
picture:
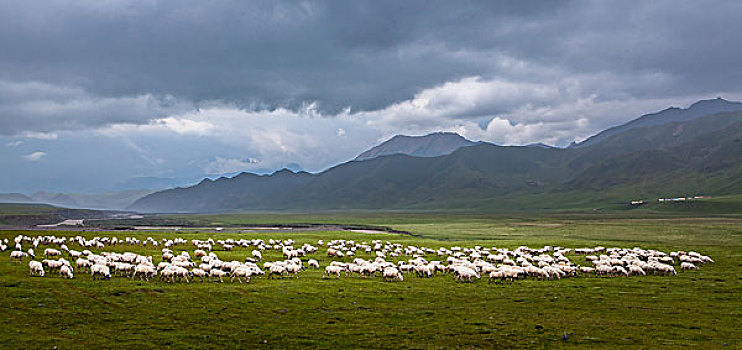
column 241, row 272
column 52, row 264
column 688, row 266
column 620, row 270
column 391, row 274
column 36, row 269
column 17, row 254
column 167, row 274
column 333, row 270
column 587, row 270
column 182, row 273
column 276, row 269
column 465, row 274
column 666, row 269
column 423, row 271
column 49, row 252
column 313, row 263
column 65, row 271
column 636, row 270
column 83, row 264
column 293, row 268
column 257, row 255
column 144, row 272
column 123, row 269
column 217, row 273
column 101, row 271
column 198, row 273
column 199, row 253
column 497, row 275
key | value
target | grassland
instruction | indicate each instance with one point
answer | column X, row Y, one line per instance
column 695, row 309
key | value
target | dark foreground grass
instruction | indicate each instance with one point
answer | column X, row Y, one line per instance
column 700, row 309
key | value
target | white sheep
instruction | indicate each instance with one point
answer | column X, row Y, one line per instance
column 101, row 271
column 688, row 266
column 65, row 271
column 144, row 272
column 392, row 274
column 217, row 273
column 240, row 272
column 497, row 275
column 257, row 255
column 276, row 269
column 198, row 273
column 333, row 270
column 83, row 264
column 636, row 270
column 313, row 263
column 48, row 252
column 17, row 254
column 36, row 269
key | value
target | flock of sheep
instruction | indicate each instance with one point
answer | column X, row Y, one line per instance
column 464, row 264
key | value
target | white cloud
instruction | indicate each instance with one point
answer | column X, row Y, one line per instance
column 519, row 113
column 221, row 165
column 34, row 156
column 185, row 126
column 495, row 110
column 14, row 143
column 41, row 135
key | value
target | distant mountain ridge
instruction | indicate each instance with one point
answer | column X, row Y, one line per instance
column 431, row 145
column 673, row 114
column 671, row 155
column 15, row 198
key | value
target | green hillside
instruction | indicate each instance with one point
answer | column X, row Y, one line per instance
column 699, row 156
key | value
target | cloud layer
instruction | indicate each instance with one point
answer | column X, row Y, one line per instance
column 158, row 88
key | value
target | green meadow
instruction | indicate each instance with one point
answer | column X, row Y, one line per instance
column 696, row 309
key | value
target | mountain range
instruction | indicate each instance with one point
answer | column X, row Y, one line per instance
column 672, row 152
column 431, row 145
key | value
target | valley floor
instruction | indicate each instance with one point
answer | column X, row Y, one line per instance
column 700, row 309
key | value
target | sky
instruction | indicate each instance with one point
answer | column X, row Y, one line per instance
column 96, row 93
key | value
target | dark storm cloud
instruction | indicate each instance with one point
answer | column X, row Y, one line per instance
column 267, row 54
column 156, row 88
column 362, row 55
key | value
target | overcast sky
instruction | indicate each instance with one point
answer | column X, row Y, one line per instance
column 93, row 93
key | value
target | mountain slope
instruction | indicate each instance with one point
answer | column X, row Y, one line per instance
column 700, row 155
column 431, row 145
column 673, row 114
column 15, row 198
column 396, row 181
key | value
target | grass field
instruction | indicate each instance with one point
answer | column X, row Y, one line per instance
column 694, row 309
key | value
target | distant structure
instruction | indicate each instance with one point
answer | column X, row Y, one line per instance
column 681, row 199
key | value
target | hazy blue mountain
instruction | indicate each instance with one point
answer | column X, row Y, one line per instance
column 59, row 199
column 15, row 198
column 103, row 200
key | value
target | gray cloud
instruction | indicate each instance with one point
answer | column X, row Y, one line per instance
column 364, row 55
column 40, row 108
column 315, row 82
